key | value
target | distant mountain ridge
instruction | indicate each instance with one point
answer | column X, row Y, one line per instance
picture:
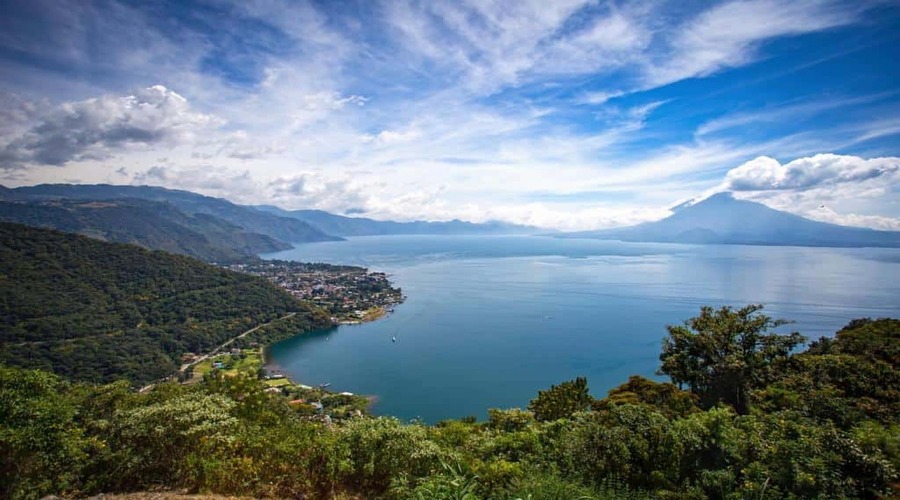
column 286, row 229
column 291, row 226
column 340, row 225
column 722, row 219
column 150, row 224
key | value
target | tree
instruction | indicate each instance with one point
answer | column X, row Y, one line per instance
column 561, row 401
column 722, row 354
column 664, row 397
column 42, row 449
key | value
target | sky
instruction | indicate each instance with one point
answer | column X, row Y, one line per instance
column 565, row 114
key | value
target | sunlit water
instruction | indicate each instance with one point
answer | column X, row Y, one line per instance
column 489, row 321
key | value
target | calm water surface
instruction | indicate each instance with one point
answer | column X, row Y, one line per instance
column 491, row 320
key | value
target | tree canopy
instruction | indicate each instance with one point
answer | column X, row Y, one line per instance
column 723, row 352
column 561, row 401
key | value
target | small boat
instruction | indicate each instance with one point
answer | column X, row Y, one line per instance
column 393, row 339
column 326, row 384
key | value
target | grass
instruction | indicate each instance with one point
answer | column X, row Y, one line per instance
column 373, row 313
column 250, row 364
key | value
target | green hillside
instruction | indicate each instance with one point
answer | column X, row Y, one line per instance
column 96, row 311
column 153, row 225
column 817, row 424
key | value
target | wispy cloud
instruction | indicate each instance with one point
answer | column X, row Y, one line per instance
column 729, row 34
column 789, row 111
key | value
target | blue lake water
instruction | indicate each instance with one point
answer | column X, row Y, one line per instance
column 489, row 321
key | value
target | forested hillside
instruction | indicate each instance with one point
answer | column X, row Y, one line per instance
column 96, row 311
column 756, row 421
column 154, row 225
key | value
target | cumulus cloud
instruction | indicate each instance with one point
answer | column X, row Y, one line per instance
column 96, row 128
column 764, row 174
column 308, row 190
column 236, row 186
column 825, row 187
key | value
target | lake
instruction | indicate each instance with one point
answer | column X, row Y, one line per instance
column 490, row 320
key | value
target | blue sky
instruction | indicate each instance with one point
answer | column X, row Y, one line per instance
column 569, row 114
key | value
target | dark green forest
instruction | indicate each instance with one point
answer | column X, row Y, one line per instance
column 747, row 416
column 95, row 311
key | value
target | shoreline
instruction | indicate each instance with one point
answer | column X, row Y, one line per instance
column 371, row 315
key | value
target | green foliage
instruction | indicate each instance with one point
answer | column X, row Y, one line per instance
column 878, row 340
column 225, row 435
column 561, row 401
column 843, row 380
column 96, row 311
column 664, row 397
column 543, row 486
column 285, row 329
column 629, row 443
column 722, row 354
column 382, row 451
column 41, row 447
column 453, row 484
column 512, row 420
column 151, row 441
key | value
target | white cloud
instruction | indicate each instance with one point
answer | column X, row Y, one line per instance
column 827, row 214
column 599, row 97
column 97, row 128
column 487, row 46
column 727, row 35
column 831, row 188
column 765, row 174
column 310, row 190
column 789, row 111
column 387, row 137
column 209, row 180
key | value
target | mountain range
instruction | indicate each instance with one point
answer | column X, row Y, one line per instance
column 150, row 224
column 281, row 228
column 340, row 225
column 211, row 229
column 722, row 219
column 217, row 230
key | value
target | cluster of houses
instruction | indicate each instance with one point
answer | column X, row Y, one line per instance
column 346, row 291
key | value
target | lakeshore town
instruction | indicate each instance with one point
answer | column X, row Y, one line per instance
column 350, row 294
